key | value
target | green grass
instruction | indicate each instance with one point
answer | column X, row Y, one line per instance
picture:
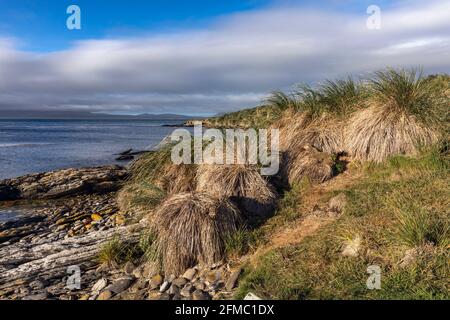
column 399, row 205
column 338, row 98
column 147, row 244
column 279, row 100
column 407, row 91
column 117, row 252
column 240, row 242
column 149, row 165
column 259, row 117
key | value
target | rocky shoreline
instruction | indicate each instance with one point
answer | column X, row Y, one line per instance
column 63, row 183
column 71, row 214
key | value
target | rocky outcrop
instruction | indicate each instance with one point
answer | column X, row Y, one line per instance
column 40, row 270
column 63, row 183
column 66, row 217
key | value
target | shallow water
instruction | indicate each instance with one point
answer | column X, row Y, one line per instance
column 30, row 146
column 11, row 214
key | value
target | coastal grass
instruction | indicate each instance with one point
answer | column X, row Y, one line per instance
column 191, row 228
column 334, row 97
column 316, row 116
column 116, row 252
column 148, row 246
column 322, row 135
column 403, row 115
column 158, row 169
column 399, row 210
column 139, row 198
column 307, row 161
column 388, row 124
column 243, row 184
column 259, row 117
column 241, row 242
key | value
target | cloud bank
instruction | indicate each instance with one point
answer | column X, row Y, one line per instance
column 232, row 64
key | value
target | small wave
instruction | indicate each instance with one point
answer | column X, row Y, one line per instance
column 15, row 145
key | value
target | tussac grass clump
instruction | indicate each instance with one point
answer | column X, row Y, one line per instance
column 243, row 184
column 324, row 138
column 312, row 127
column 290, row 124
column 308, row 162
column 403, row 114
column 192, row 228
column 283, row 101
column 158, row 169
column 382, row 209
column 337, row 98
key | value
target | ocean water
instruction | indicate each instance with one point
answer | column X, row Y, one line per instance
column 31, row 146
column 12, row 214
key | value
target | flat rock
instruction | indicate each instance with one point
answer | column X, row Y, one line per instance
column 190, row 274
column 179, row 282
column 164, row 286
column 352, row 247
column 251, row 296
column 156, row 281
column 173, row 290
column 187, row 290
column 120, row 285
column 38, row 296
column 200, row 295
column 37, row 285
column 100, row 285
column 232, row 280
column 105, row 295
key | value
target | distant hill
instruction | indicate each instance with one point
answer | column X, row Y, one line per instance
column 13, row 114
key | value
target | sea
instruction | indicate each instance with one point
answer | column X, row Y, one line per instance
column 31, row 146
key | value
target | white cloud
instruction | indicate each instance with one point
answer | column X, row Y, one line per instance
column 233, row 63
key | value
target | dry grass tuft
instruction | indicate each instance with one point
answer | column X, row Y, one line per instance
column 176, row 178
column 375, row 134
column 158, row 169
column 403, row 115
column 242, row 183
column 323, row 135
column 192, row 228
column 290, row 124
column 308, row 162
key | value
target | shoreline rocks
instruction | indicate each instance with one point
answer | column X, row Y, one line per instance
column 63, row 183
column 66, row 233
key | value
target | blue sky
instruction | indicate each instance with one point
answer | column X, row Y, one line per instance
column 203, row 57
column 40, row 25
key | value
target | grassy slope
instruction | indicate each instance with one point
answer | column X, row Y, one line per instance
column 396, row 206
column 259, row 117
